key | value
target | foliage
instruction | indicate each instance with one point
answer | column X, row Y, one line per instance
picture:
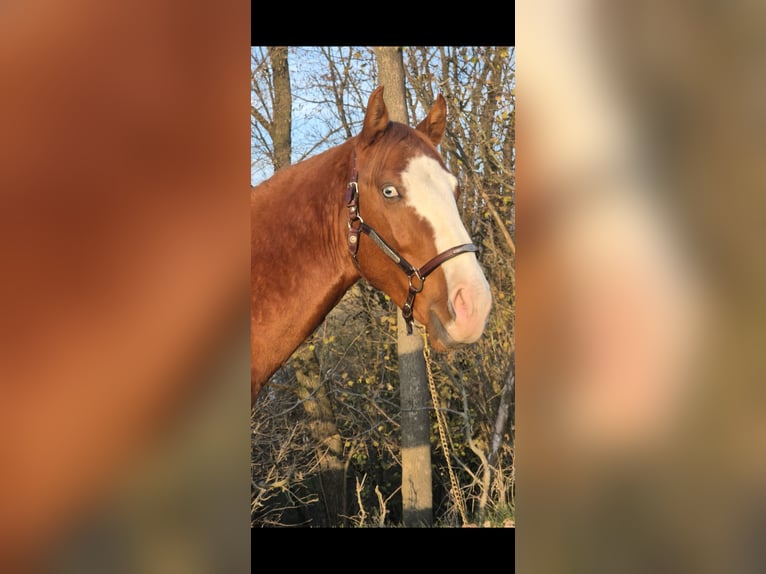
column 353, row 355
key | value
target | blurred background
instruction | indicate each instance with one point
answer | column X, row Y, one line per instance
column 640, row 176
column 124, row 227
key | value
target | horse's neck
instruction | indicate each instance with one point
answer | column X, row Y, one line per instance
column 300, row 264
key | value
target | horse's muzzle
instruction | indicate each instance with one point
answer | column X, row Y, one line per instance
column 469, row 308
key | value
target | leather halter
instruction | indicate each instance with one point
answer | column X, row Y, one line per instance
column 416, row 277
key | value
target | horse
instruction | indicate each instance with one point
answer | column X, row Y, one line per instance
column 371, row 207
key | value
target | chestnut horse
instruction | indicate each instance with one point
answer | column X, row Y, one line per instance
column 373, row 207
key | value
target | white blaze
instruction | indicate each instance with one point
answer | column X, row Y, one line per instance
column 430, row 192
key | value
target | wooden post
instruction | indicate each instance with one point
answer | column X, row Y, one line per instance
column 417, row 495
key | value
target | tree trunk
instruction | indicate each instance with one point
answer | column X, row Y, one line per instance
column 391, row 77
column 417, row 495
column 324, row 431
column 316, row 401
column 504, row 413
column 281, row 126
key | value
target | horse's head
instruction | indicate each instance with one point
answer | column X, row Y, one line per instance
column 406, row 202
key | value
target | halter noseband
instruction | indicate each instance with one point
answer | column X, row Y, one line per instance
column 416, row 277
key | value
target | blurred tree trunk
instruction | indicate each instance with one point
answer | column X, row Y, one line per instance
column 282, row 116
column 417, row 495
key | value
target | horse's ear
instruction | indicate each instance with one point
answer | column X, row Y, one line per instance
column 435, row 122
column 376, row 116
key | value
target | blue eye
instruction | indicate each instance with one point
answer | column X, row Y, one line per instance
column 389, row 192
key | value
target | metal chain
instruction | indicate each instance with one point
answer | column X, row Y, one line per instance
column 441, row 424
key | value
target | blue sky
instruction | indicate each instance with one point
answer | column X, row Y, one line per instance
column 313, row 117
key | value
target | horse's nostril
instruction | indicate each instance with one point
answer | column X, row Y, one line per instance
column 469, row 306
column 461, row 305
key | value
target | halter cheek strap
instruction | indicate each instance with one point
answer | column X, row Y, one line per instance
column 416, row 277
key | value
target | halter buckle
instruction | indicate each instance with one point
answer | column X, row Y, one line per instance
column 352, row 192
column 407, row 312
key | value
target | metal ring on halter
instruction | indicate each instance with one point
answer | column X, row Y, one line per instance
column 420, row 278
column 357, row 219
